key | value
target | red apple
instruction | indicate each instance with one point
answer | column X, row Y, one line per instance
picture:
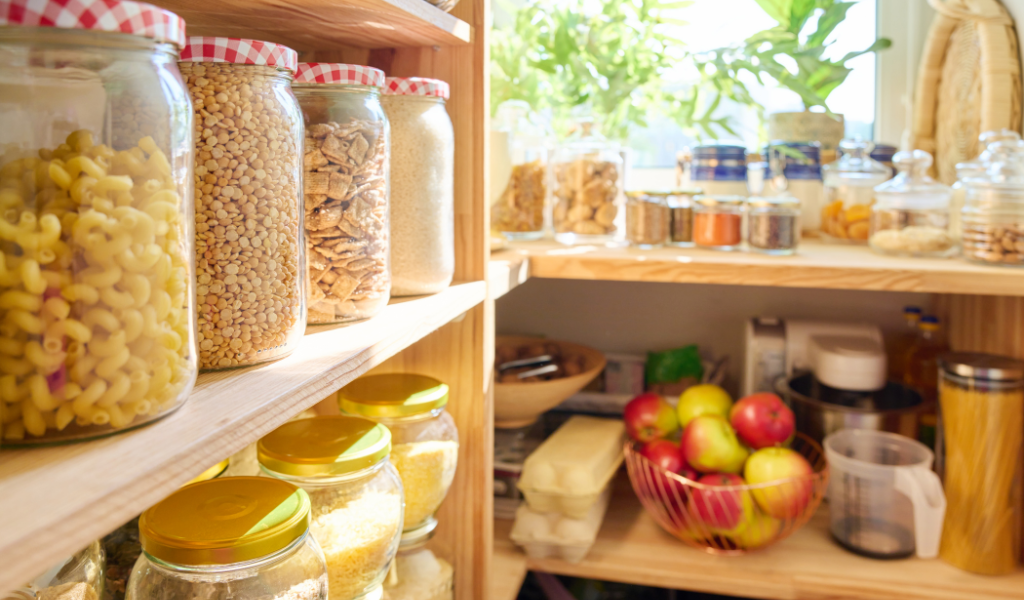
column 726, row 511
column 649, row 417
column 763, row 420
column 789, row 498
column 688, row 472
column 665, row 454
column 710, row 445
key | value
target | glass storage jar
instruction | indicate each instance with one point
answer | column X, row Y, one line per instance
column 80, row 577
column 347, row 158
column 719, row 170
column 910, row 216
column 647, row 219
column 425, row 441
column 976, row 168
column 96, row 297
column 248, row 134
column 981, row 399
column 422, row 185
column 992, row 218
column 799, row 163
column 342, row 463
column 419, row 574
column 773, row 224
column 588, row 173
column 236, row 537
column 849, row 193
column 519, row 173
column 680, row 207
column 122, row 546
column 718, row 222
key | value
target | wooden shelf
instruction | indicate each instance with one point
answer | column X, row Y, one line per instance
column 506, row 271
column 818, row 265
column 55, row 500
column 632, row 548
column 325, row 24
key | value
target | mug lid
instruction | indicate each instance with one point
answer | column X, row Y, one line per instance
column 113, row 16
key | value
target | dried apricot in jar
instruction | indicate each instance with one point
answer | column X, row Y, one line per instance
column 858, row 212
column 858, row 231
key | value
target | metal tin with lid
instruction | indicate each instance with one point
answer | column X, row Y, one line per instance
column 987, row 367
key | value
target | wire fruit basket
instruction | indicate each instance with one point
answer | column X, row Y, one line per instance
column 729, row 519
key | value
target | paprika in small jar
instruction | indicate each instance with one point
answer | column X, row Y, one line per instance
column 718, row 222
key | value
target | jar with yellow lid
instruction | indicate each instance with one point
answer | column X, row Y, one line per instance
column 419, row 573
column 342, row 462
column 235, row 537
column 425, row 442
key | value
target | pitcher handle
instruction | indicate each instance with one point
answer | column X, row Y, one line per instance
column 924, row 488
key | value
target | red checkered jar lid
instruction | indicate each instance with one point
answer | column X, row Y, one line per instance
column 416, row 86
column 239, row 52
column 114, row 16
column 338, row 73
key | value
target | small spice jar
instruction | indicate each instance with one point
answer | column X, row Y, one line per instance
column 356, row 495
column 799, row 164
column 236, row 537
column 418, row 573
column 718, row 222
column 519, row 172
column 346, row 166
column 422, row 185
column 680, row 208
column 425, row 446
column 79, row 576
column 250, row 292
column 647, row 219
column 773, row 225
column 910, row 216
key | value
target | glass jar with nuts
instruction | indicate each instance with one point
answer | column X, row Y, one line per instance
column 346, row 161
column 588, row 198
column 249, row 265
column 97, row 317
column 992, row 218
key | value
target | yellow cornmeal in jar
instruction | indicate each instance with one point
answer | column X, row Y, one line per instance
column 427, row 470
column 357, row 537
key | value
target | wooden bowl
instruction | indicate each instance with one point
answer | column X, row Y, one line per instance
column 519, row 404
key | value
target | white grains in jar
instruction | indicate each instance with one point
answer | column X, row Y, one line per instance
column 422, row 185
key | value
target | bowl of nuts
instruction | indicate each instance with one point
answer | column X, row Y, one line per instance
column 533, row 375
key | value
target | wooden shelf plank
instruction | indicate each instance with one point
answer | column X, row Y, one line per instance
column 325, row 24
column 55, row 500
column 632, row 548
column 505, row 272
column 818, row 265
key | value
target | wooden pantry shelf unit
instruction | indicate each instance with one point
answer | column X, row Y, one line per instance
column 632, row 548
column 55, row 500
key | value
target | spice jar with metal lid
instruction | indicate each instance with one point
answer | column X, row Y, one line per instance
column 718, row 222
column 588, row 186
column 849, row 193
column 236, row 537
column 78, row 577
column 680, row 207
column 419, row 573
column 250, row 289
column 425, row 446
column 647, row 219
column 97, row 316
column 356, row 495
column 910, row 216
column 422, row 185
column 773, row 224
column 346, row 167
column 981, row 398
column 799, row 163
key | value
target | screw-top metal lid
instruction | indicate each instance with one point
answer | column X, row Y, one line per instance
column 392, row 395
column 213, row 472
column 225, row 521
column 324, row 446
column 785, row 201
column 977, row 365
column 721, row 200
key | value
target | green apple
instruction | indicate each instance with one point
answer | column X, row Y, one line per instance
column 761, row 530
column 709, row 444
column 790, row 469
column 704, row 399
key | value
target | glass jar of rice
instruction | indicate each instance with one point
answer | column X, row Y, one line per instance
column 425, row 441
column 422, row 185
column 419, row 573
column 342, row 463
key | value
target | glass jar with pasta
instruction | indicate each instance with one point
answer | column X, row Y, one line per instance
column 96, row 309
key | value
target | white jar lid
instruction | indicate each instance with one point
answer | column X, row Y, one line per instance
column 849, row 363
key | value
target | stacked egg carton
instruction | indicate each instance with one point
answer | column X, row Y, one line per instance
column 566, row 483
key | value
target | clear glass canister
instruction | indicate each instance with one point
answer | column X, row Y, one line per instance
column 849, row 193
column 425, row 441
column 250, row 292
column 719, row 170
column 235, row 537
column 800, row 164
column 992, row 217
column 718, row 222
column 981, row 397
column 647, row 219
column 78, row 577
column 773, row 224
column 587, row 188
column 419, row 574
column 519, row 173
column 347, row 160
column 342, row 462
column 422, row 185
column 123, row 548
column 994, row 146
column 910, row 216
column 96, row 297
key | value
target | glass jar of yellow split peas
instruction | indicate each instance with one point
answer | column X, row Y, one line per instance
column 96, row 309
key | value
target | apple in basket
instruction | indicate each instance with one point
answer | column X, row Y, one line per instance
column 787, row 499
column 664, row 453
column 727, row 511
column 672, row 492
column 710, row 445
column 763, row 420
column 761, row 531
column 649, row 417
column 703, row 399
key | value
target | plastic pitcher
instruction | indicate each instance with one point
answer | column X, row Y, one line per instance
column 884, row 499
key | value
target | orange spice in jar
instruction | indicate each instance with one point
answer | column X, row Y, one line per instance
column 718, row 222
